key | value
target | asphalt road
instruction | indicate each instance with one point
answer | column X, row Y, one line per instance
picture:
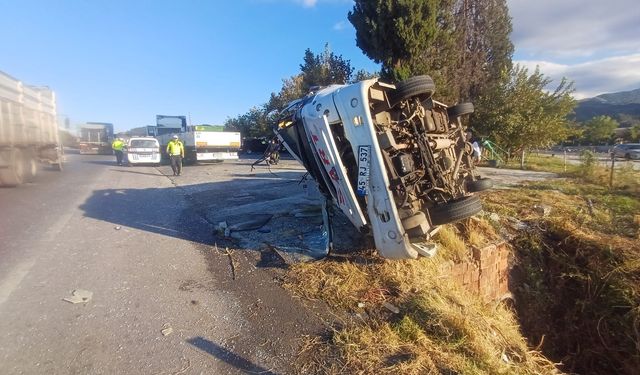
column 140, row 242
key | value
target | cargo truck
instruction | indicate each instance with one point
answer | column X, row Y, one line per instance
column 96, row 138
column 28, row 130
column 205, row 143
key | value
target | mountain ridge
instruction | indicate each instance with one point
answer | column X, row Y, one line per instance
column 619, row 105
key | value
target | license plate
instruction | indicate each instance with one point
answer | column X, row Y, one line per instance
column 364, row 163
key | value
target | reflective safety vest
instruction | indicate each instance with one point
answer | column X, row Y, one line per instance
column 117, row 145
column 175, row 147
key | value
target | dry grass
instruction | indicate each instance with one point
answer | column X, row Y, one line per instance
column 578, row 271
column 578, row 293
column 452, row 246
column 440, row 328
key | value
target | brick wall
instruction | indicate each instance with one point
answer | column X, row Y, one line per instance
column 486, row 274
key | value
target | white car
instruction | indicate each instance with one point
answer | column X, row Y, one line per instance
column 395, row 161
column 142, row 150
column 629, row 151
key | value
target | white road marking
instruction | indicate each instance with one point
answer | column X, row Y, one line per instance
column 13, row 280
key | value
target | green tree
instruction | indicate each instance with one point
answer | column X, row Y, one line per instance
column 324, row 69
column 634, row 133
column 519, row 114
column 405, row 36
column 362, row 75
column 317, row 70
column 484, row 49
column 254, row 123
column 599, row 129
column 463, row 45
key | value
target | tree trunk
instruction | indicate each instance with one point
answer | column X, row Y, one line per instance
column 522, row 159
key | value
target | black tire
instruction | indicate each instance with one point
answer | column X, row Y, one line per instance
column 57, row 166
column 13, row 175
column 627, row 156
column 420, row 86
column 479, row 185
column 460, row 110
column 30, row 167
column 455, row 210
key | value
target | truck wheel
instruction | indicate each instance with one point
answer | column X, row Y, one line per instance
column 30, row 168
column 479, row 184
column 57, row 166
column 455, row 210
column 420, row 86
column 13, row 175
column 460, row 110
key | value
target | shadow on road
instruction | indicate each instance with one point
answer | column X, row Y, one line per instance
column 262, row 212
column 228, row 356
column 135, row 172
column 187, row 212
column 156, row 210
column 102, row 162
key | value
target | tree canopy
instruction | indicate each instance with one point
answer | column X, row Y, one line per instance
column 519, row 114
column 316, row 70
column 463, row 44
column 599, row 129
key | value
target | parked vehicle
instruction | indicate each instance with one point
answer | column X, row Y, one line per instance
column 394, row 160
column 96, row 138
column 28, row 131
column 205, row 143
column 142, row 150
column 629, row 151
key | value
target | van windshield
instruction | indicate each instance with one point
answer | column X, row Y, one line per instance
column 143, row 143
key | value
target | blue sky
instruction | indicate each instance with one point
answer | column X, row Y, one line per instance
column 126, row 61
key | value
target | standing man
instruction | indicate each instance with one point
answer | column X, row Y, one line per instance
column 175, row 149
column 117, row 146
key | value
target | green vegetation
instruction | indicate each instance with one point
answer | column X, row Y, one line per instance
column 519, row 115
column 321, row 69
column 463, row 45
column 599, row 129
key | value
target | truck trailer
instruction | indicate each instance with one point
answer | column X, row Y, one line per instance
column 96, row 138
column 28, row 130
column 204, row 143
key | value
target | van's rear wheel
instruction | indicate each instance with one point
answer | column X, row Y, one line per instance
column 455, row 210
column 460, row 110
column 480, row 184
column 421, row 86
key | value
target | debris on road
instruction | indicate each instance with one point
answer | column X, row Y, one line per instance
column 231, row 262
column 255, row 221
column 117, row 227
column 542, row 209
column 394, row 309
column 79, row 296
column 166, row 330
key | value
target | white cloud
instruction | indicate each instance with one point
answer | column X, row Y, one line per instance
column 339, row 26
column 620, row 73
column 574, row 29
column 307, row 3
